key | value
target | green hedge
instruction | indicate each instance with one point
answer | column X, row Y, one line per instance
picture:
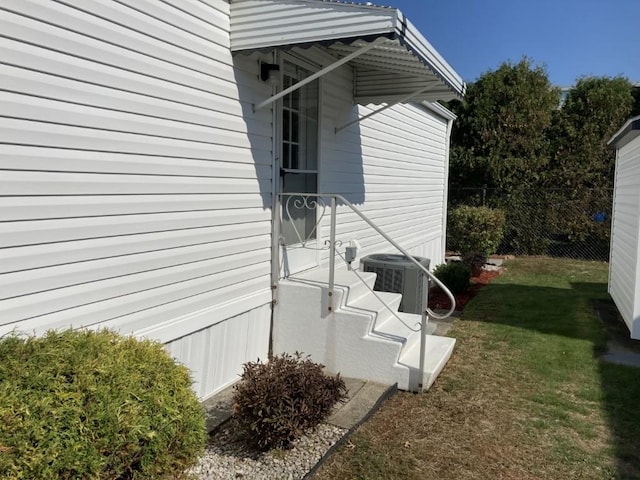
column 456, row 276
column 475, row 229
column 95, row 405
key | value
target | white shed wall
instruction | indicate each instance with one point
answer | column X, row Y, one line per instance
column 624, row 278
column 134, row 191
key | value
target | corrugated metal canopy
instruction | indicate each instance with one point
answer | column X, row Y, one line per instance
column 401, row 62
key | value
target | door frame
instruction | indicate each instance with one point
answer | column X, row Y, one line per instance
column 291, row 264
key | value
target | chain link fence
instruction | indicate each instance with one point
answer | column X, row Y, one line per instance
column 553, row 222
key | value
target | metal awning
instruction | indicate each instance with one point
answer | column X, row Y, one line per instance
column 392, row 61
column 629, row 131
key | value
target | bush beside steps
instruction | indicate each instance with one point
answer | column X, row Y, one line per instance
column 456, row 276
column 95, row 405
column 276, row 402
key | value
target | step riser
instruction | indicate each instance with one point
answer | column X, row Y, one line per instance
column 348, row 288
column 349, row 294
column 413, row 338
column 362, row 338
column 438, row 350
column 300, row 321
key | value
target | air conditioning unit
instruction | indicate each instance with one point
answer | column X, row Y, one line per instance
column 398, row 274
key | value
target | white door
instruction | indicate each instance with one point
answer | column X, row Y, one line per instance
column 299, row 171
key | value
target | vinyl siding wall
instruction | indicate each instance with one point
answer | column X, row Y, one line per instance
column 135, row 178
column 134, row 190
column 405, row 178
column 624, row 279
column 392, row 166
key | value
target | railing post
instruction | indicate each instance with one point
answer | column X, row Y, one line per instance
column 423, row 329
column 430, row 312
column 332, row 254
column 275, row 245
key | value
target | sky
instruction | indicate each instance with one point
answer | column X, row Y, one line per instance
column 570, row 38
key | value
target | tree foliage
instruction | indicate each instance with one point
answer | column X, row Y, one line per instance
column 636, row 100
column 548, row 166
column 593, row 111
column 583, row 164
column 500, row 138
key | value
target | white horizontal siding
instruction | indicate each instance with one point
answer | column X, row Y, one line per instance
column 87, row 36
column 219, row 163
column 25, row 257
column 61, row 183
column 135, row 178
column 410, row 139
column 18, row 54
column 624, row 278
column 133, row 292
column 64, row 230
column 201, row 258
column 391, row 166
column 48, row 207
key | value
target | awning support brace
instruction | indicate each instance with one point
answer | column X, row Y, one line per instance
column 318, row 74
column 402, row 100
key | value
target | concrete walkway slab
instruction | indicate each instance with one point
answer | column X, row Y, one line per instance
column 362, row 398
column 218, row 409
column 620, row 348
column 443, row 326
column 616, row 353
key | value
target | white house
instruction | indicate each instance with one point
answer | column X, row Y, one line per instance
column 144, row 149
column 624, row 264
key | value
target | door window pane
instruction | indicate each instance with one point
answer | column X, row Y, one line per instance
column 299, row 152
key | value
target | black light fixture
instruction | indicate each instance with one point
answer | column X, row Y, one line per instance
column 269, row 73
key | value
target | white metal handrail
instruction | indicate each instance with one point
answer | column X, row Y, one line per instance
column 332, row 242
column 426, row 311
column 386, row 306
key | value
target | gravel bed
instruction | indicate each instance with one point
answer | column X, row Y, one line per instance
column 227, row 458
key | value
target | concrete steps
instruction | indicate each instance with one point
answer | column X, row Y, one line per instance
column 362, row 337
column 438, row 351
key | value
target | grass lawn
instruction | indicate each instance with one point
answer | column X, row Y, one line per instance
column 524, row 395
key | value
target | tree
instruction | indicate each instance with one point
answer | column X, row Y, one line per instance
column 583, row 164
column 548, row 167
column 500, row 138
column 593, row 111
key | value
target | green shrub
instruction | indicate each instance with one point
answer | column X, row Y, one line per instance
column 475, row 261
column 275, row 402
column 456, row 276
column 475, row 229
column 83, row 404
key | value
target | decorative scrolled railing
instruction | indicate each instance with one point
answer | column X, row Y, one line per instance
column 304, row 202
